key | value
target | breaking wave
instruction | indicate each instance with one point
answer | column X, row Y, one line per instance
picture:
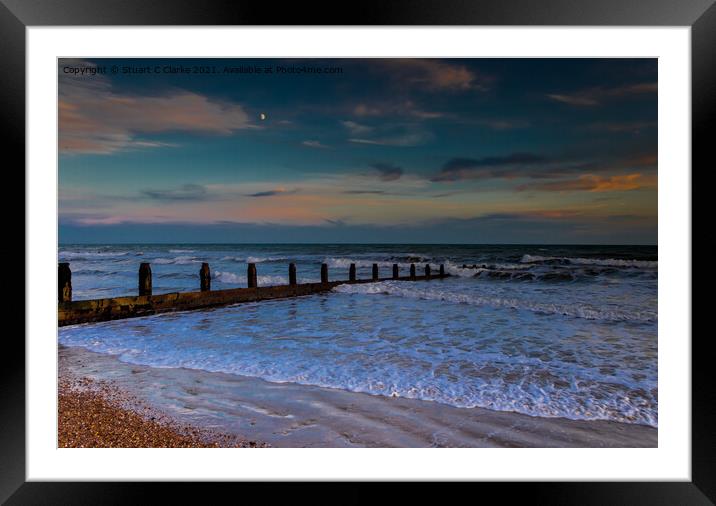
column 231, row 278
column 345, row 263
column 609, row 262
column 411, row 290
column 253, row 260
column 180, row 260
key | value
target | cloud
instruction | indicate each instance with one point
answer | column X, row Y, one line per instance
column 388, row 171
column 532, row 215
column 356, row 128
column 314, row 144
column 644, row 160
column 364, row 110
column 406, row 108
column 95, row 119
column 406, row 140
column 510, row 166
column 617, row 127
column 187, row 192
column 592, row 183
column 557, row 173
column 273, row 193
column 573, row 99
column 435, row 75
column 504, row 124
column 596, row 96
column 400, row 135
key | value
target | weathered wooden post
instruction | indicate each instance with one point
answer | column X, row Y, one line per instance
column 291, row 274
column 324, row 273
column 251, row 276
column 352, row 272
column 427, row 271
column 442, row 270
column 145, row 279
column 396, row 274
column 375, row 272
column 412, row 272
column 204, row 277
column 64, row 282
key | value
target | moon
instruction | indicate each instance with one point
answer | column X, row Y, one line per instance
column 263, row 116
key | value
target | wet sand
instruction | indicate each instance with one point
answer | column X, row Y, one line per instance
column 292, row 415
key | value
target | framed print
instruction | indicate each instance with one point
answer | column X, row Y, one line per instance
column 427, row 243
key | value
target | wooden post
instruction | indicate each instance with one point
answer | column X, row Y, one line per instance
column 412, row 272
column 396, row 273
column 442, row 270
column 375, row 272
column 324, row 273
column 145, row 279
column 251, row 276
column 292, row 274
column 352, row 272
column 427, row 271
column 64, row 282
column 204, row 277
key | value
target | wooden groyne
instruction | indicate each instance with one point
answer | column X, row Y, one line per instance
column 71, row 312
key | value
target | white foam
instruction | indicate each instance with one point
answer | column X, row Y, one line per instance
column 238, row 279
column 465, row 360
column 180, row 260
column 606, row 262
column 258, row 260
column 345, row 263
column 411, row 290
column 91, row 254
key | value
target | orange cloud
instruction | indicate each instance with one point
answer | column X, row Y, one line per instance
column 595, row 96
column 436, row 75
column 594, row 183
column 644, row 161
column 94, row 119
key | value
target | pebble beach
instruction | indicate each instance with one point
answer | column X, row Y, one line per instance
column 96, row 414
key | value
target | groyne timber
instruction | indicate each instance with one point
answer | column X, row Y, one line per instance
column 71, row 312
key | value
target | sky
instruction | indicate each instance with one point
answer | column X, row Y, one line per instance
column 518, row 151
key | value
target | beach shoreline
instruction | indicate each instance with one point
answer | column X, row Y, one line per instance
column 96, row 414
column 250, row 412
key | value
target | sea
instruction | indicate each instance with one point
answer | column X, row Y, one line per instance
column 548, row 331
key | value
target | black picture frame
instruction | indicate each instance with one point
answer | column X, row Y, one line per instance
column 700, row 15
